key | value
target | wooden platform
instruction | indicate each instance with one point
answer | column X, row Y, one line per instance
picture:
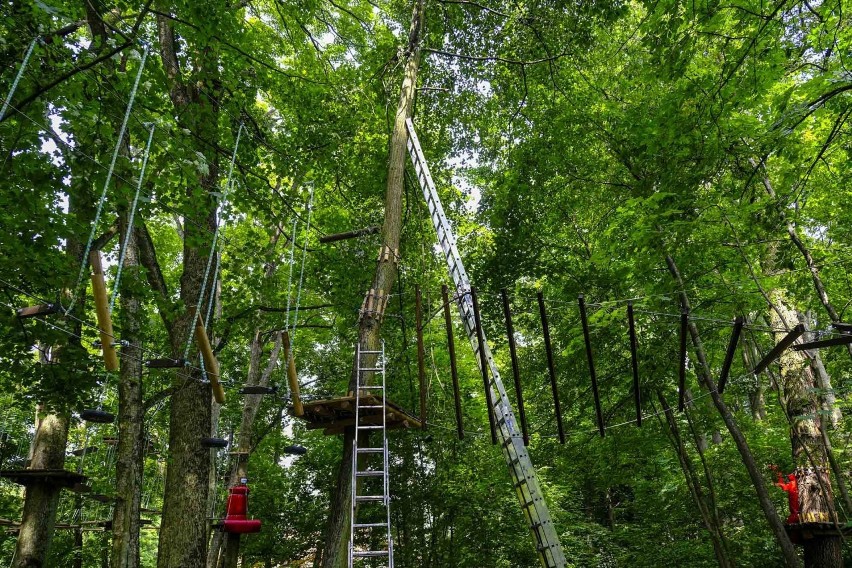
column 334, row 415
column 58, row 477
column 805, row 531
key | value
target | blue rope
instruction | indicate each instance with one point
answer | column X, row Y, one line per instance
column 17, row 78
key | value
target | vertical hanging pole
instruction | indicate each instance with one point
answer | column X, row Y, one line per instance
column 292, row 378
column 421, row 354
column 634, row 363
column 451, row 347
column 585, row 320
column 729, row 355
column 681, row 384
column 551, row 368
column 510, row 332
column 483, row 363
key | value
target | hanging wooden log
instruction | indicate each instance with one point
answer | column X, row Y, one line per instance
column 292, row 378
column 211, row 365
column 421, row 353
column 729, row 354
column 451, row 347
column 681, row 382
column 785, row 342
column 350, row 235
column 634, row 364
column 585, row 321
column 166, row 363
column 39, row 310
column 483, row 363
column 102, row 311
column 551, row 367
column 513, row 355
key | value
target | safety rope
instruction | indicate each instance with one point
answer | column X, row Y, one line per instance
column 302, row 271
column 123, row 251
column 121, row 132
column 222, row 200
column 17, row 78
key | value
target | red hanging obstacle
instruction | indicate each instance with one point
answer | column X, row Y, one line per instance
column 237, row 509
column 792, row 489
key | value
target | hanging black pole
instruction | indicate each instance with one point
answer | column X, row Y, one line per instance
column 634, row 363
column 684, row 323
column 729, row 355
column 451, row 347
column 483, row 363
column 584, row 319
column 510, row 332
column 551, row 368
column 421, row 353
column 785, row 342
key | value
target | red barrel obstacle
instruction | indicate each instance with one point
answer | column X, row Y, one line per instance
column 237, row 510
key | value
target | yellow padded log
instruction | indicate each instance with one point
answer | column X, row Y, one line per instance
column 211, row 365
column 298, row 410
column 102, row 311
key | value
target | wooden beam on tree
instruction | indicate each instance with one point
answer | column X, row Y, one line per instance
column 421, row 352
column 634, row 364
column 681, row 368
column 729, row 354
column 585, row 321
column 483, row 363
column 842, row 327
column 785, row 342
column 551, row 367
column 510, row 333
column 451, row 347
column 350, row 235
column 842, row 340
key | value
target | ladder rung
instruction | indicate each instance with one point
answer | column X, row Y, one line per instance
column 371, row 387
column 369, row 553
column 371, row 406
column 363, row 351
column 369, row 497
column 370, row 473
column 368, row 525
column 370, row 427
column 370, row 369
column 369, row 450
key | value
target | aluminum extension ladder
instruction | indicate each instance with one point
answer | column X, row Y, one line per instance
column 520, row 467
column 369, row 363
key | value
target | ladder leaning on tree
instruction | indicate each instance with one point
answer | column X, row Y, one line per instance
column 520, row 467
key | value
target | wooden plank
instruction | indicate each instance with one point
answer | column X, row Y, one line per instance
column 585, row 321
column 166, row 363
column 451, row 347
column 39, row 310
column 842, row 340
column 729, row 354
column 634, row 364
column 785, row 342
column 483, row 363
column 513, row 355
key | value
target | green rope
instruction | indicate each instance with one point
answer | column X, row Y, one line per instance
column 222, row 199
column 121, row 133
column 17, row 79
column 123, row 252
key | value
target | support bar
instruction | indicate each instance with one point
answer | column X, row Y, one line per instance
column 634, row 364
column 483, row 363
column 785, row 342
column 729, row 355
column 584, row 319
column 510, row 333
column 451, row 347
column 551, row 367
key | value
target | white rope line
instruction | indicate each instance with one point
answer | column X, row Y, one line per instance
column 17, row 78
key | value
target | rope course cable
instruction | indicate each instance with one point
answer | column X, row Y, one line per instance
column 222, row 201
column 17, row 80
column 130, row 220
column 302, row 271
column 102, row 200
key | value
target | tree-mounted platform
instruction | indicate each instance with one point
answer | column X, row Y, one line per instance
column 89, row 526
column 55, row 477
column 334, row 415
column 804, row 531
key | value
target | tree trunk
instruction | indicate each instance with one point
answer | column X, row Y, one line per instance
column 791, row 559
column 337, row 532
column 129, row 464
column 41, row 499
column 824, row 552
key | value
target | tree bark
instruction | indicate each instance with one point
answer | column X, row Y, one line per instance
column 337, row 532
column 788, row 551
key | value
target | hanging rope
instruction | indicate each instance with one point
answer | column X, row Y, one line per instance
column 290, row 278
column 302, row 271
column 222, row 201
column 123, row 251
column 121, row 133
column 17, row 78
